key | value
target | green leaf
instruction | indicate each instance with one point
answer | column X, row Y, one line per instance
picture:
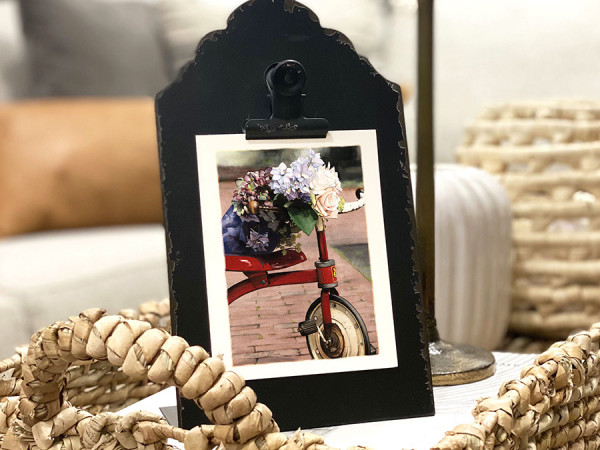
column 305, row 217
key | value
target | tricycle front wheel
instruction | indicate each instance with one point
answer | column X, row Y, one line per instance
column 348, row 331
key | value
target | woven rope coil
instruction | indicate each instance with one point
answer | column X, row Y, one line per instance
column 70, row 364
column 555, row 403
column 547, row 155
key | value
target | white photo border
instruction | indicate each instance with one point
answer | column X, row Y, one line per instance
column 207, row 147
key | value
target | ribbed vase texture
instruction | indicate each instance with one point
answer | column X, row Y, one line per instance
column 472, row 256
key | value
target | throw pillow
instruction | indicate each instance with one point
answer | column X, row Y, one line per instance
column 94, row 47
column 77, row 163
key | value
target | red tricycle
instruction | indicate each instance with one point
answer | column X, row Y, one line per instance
column 333, row 327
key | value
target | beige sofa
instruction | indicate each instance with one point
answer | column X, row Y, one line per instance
column 49, row 276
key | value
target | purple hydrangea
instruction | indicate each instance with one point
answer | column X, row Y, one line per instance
column 294, row 181
column 258, row 241
column 311, row 159
column 254, row 186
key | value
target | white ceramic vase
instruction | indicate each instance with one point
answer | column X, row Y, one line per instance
column 472, row 256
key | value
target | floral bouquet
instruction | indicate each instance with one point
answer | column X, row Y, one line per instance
column 271, row 207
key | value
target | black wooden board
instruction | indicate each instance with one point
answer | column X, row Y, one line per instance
column 215, row 94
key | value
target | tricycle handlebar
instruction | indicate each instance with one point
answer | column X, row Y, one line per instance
column 353, row 206
column 254, row 206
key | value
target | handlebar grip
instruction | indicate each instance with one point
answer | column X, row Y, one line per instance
column 353, row 206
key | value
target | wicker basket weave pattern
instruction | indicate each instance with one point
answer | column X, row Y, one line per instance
column 547, row 155
column 555, row 403
column 72, row 363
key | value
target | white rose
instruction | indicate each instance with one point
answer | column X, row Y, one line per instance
column 325, row 178
column 326, row 204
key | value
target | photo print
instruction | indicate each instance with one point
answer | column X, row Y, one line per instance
column 297, row 271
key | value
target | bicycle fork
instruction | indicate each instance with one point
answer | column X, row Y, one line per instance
column 327, row 282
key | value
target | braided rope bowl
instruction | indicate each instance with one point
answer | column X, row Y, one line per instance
column 555, row 403
column 74, row 373
column 547, row 155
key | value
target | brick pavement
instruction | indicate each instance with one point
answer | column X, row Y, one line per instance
column 263, row 323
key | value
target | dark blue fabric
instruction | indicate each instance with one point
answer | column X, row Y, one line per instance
column 236, row 233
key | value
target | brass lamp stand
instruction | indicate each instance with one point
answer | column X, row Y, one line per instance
column 450, row 364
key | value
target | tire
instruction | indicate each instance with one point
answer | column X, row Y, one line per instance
column 349, row 331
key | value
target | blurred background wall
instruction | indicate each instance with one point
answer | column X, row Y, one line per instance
column 486, row 50
column 490, row 51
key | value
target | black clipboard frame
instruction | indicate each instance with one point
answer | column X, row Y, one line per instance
column 217, row 93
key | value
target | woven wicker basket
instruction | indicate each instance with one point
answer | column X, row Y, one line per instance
column 555, row 403
column 74, row 373
column 105, row 362
column 96, row 386
column 547, row 155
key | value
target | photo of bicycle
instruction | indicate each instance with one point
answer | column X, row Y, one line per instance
column 297, row 256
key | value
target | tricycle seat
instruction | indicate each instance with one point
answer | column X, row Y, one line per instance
column 263, row 263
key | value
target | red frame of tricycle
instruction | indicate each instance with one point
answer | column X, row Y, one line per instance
column 256, row 268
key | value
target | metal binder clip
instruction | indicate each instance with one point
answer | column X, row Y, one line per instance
column 285, row 81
